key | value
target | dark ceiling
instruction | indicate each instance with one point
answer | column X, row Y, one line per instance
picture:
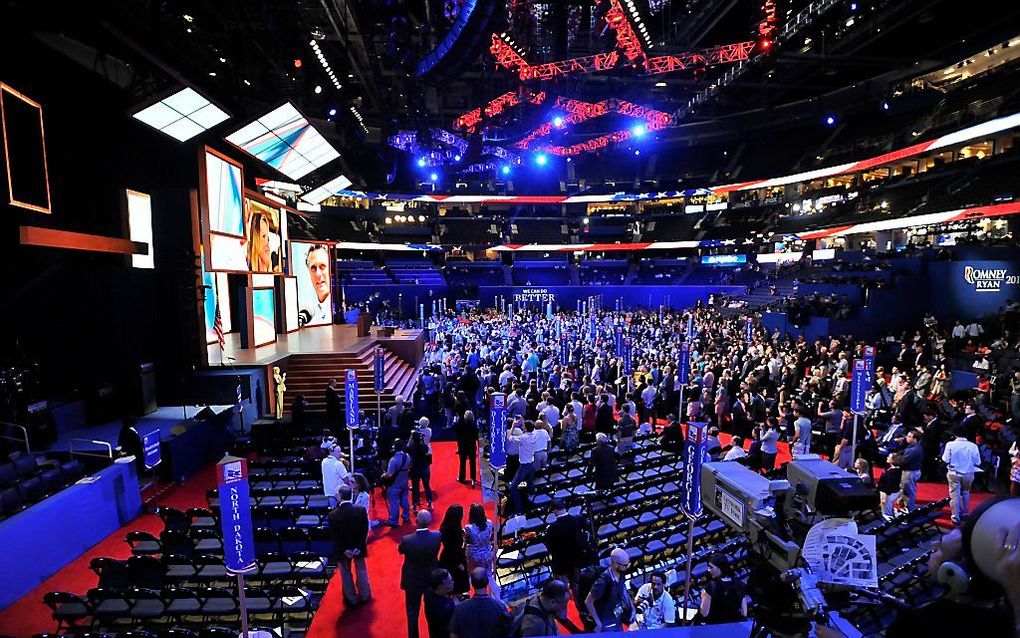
column 251, row 55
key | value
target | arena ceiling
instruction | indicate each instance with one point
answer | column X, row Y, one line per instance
column 367, row 77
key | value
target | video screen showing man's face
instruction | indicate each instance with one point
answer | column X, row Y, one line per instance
column 318, row 271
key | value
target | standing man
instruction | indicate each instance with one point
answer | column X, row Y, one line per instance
column 348, row 524
column 963, row 458
column 396, row 475
column 527, row 443
column 565, row 542
column 420, row 550
column 482, row 615
column 913, row 459
column 334, row 472
column 608, row 602
column 541, row 612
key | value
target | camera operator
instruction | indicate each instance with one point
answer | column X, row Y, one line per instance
column 655, row 606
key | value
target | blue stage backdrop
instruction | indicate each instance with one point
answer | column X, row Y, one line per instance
column 971, row 288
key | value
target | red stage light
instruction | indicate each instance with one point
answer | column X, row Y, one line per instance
column 297, row 63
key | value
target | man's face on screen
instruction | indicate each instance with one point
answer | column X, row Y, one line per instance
column 318, row 270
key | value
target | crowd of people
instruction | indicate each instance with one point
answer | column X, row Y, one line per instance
column 566, row 383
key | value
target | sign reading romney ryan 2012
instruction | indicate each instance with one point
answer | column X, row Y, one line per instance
column 235, row 515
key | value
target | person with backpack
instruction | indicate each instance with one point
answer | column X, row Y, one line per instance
column 538, row 616
column 395, row 483
column 608, row 602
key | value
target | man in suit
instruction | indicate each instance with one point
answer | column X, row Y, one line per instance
column 602, row 463
column 348, row 524
column 566, row 544
column 419, row 550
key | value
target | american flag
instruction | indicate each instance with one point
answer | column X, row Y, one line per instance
column 218, row 328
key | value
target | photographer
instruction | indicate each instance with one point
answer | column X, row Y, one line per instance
column 655, row 606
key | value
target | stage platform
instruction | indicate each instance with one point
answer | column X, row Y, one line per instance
column 314, row 340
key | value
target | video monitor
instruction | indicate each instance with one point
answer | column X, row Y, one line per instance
column 21, row 121
column 139, row 209
column 311, row 264
column 263, row 302
column 265, row 234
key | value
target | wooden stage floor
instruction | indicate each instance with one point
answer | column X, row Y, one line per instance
column 315, row 340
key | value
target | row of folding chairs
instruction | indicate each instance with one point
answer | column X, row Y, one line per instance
column 290, row 498
column 102, row 607
column 149, row 572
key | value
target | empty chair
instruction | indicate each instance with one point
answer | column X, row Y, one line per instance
column 173, row 518
column 218, row 632
column 178, row 568
column 53, row 480
column 278, row 517
column 320, row 541
column 112, row 573
column 72, row 471
column 143, row 543
column 257, row 600
column 178, row 632
column 146, row 572
column 10, row 501
column 293, row 540
column 307, row 564
column 181, row 602
column 274, row 565
column 217, row 601
column 266, row 541
column 108, row 604
column 7, row 474
column 290, row 599
column 209, row 568
column 146, row 604
column 201, row 517
column 176, row 542
column 206, row 541
column 25, row 465
column 66, row 608
column 32, row 489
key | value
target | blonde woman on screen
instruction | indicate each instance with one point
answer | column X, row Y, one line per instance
column 260, row 257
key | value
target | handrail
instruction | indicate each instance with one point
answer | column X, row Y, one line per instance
column 24, row 435
column 72, row 452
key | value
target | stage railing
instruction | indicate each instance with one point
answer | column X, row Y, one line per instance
column 73, row 452
column 24, row 435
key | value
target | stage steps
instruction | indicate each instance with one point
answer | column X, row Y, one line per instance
column 309, row 374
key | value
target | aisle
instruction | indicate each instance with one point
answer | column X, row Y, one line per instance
column 384, row 616
column 29, row 616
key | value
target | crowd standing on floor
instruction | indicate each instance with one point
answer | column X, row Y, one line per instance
column 566, row 383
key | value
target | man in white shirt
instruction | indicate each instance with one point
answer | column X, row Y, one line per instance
column 334, row 472
column 648, row 396
column 527, row 442
column 974, row 330
column 321, row 310
column 550, row 412
column 654, row 604
column 959, row 332
column 736, row 451
column 963, row 459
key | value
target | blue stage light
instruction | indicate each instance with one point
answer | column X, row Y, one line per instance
column 433, row 177
column 830, row 120
column 332, row 112
column 885, row 105
column 421, row 162
column 505, row 170
column 639, row 130
column 541, row 159
column 557, row 121
column 637, row 152
column 456, row 158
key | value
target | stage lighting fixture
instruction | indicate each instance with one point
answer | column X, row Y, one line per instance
column 456, row 158
column 421, row 218
column 323, row 192
column 569, row 160
column 182, row 115
column 557, row 121
column 637, row 152
column 318, row 89
column 297, row 63
column 830, row 120
column 389, row 220
column 585, row 221
column 332, row 112
column 639, row 130
column 541, row 159
column 885, row 105
column 505, row 170
column 421, row 162
column 286, row 141
column 433, row 177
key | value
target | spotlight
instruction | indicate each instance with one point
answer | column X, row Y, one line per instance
column 297, row 63
column 332, row 112
column 637, row 152
column 433, row 177
column 541, row 159
column 421, row 218
column 421, row 162
column 568, row 160
column 505, row 170
column 456, row 158
column 318, row 89
column 585, row 221
column 389, row 220
column 885, row 105
column 557, row 121
column 639, row 130
column 830, row 120
column 853, row 6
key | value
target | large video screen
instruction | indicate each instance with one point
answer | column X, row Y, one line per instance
column 311, row 264
column 265, row 234
column 285, row 140
column 21, row 122
column 263, row 301
column 224, row 214
column 139, row 209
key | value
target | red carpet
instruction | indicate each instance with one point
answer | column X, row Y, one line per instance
column 384, row 617
column 29, row 616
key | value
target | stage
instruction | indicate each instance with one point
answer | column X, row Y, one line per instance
column 313, row 340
